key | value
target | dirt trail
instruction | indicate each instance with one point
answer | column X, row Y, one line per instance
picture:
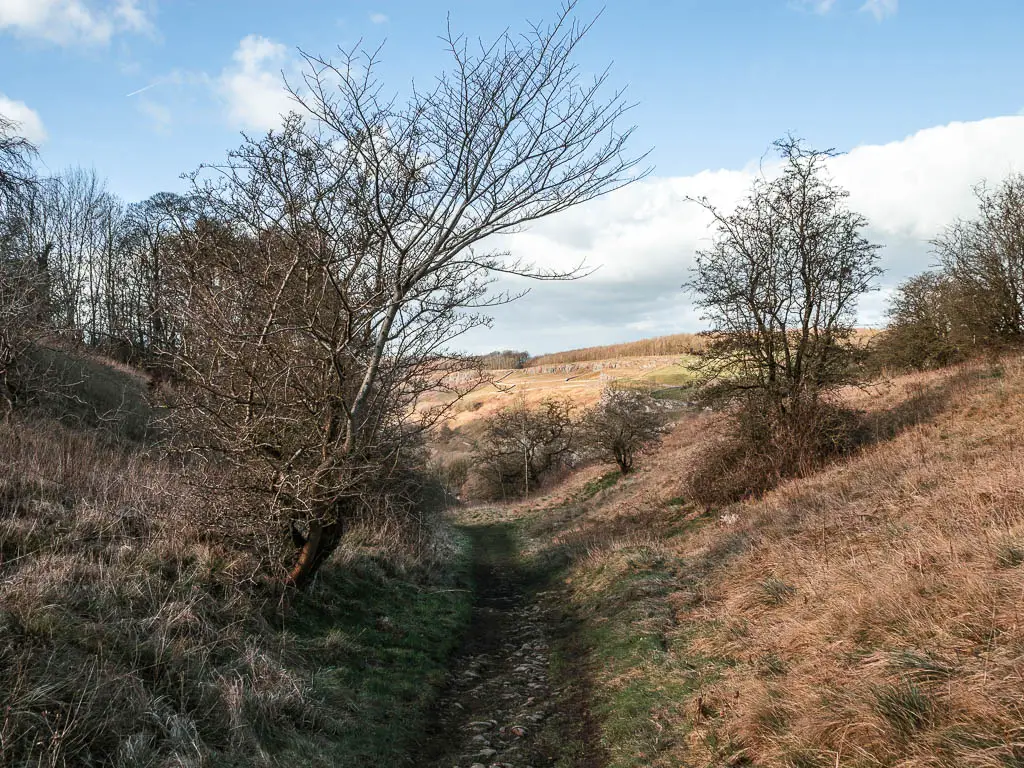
column 500, row 709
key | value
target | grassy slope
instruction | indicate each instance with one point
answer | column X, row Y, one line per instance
column 866, row 616
column 127, row 638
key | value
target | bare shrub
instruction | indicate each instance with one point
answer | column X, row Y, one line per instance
column 624, row 424
column 22, row 305
column 762, row 449
column 984, row 258
column 22, row 283
column 521, row 446
column 925, row 328
column 453, row 472
column 779, row 286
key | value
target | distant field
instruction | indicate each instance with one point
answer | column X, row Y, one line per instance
column 659, row 346
column 664, row 365
column 582, row 382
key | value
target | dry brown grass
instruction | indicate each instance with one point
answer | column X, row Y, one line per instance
column 130, row 638
column 126, row 638
column 867, row 615
column 885, row 593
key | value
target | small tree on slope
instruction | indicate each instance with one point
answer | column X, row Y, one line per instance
column 779, row 286
column 622, row 425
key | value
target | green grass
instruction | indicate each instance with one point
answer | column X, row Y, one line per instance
column 602, row 483
column 670, row 382
column 384, row 644
column 673, row 375
column 648, row 670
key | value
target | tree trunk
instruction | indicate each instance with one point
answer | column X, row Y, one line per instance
column 314, row 550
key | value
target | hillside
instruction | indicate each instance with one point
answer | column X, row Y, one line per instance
column 580, row 382
column 131, row 635
column 866, row 615
column 658, row 346
column 663, row 365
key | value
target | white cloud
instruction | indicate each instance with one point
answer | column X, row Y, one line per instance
column 29, row 123
column 881, row 9
column 252, row 86
column 378, row 18
column 644, row 237
column 73, row 21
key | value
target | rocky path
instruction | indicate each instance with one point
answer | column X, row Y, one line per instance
column 498, row 709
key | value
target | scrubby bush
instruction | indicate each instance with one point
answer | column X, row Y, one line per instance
column 453, row 472
column 925, row 327
column 984, row 258
column 21, row 283
column 622, row 425
column 762, row 449
column 21, row 311
column 521, row 446
column 974, row 302
column 779, row 287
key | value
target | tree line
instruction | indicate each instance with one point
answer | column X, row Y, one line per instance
column 100, row 260
column 972, row 301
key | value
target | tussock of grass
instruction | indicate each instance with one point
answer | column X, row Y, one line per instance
column 130, row 638
column 602, row 483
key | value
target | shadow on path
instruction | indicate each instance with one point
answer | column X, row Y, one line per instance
column 501, row 706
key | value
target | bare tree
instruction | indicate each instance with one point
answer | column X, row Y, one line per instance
column 624, row 424
column 780, row 284
column 336, row 261
column 73, row 224
column 138, row 315
column 984, row 259
column 521, row 445
column 21, row 286
column 504, row 359
column 16, row 153
column 275, row 298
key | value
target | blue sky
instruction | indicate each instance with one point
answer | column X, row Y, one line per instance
column 715, row 82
